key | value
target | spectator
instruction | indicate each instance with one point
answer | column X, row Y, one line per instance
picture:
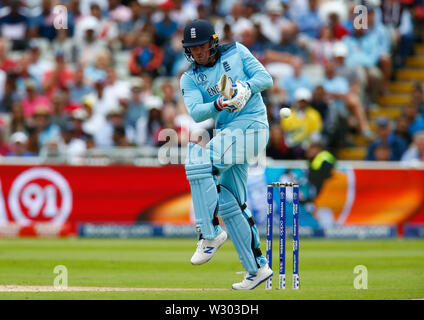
column 10, row 94
column 337, row 29
column 334, row 123
column 90, row 45
column 168, row 114
column 126, row 28
column 183, row 11
column 79, row 87
column 147, row 10
column 298, row 80
column 215, row 12
column 19, row 145
column 17, row 118
column 62, row 107
column 33, row 99
column 74, row 15
column 23, row 73
column 338, row 91
column 68, row 145
column 249, row 38
column 363, row 52
column 203, row 12
column 382, row 152
column 417, row 97
column 174, row 59
column 61, row 76
column 4, row 145
column 279, row 58
column 283, row 35
column 103, row 102
column 32, row 144
column 47, row 131
column 147, row 80
column 289, row 43
column 118, row 12
column 119, row 137
column 14, row 26
column 84, row 6
column 62, row 42
column 295, row 8
column 136, row 108
column 107, row 28
column 319, row 103
column 397, row 18
column 3, row 77
column 146, row 56
column 309, row 23
column 416, row 150
column 116, row 89
column 402, row 130
column 98, row 70
column 149, row 134
column 42, row 23
column 415, row 120
column 275, row 99
column 272, row 22
column 168, row 94
column 321, row 49
column 38, row 64
column 303, row 123
column 354, row 76
column 236, row 20
column 380, row 32
column 6, row 63
column 166, row 26
column 93, row 121
column 320, row 166
column 385, row 136
column 78, row 117
column 277, row 148
column 115, row 118
column 227, row 34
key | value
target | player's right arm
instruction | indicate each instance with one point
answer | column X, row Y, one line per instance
column 193, row 101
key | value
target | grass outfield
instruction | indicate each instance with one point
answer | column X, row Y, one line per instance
column 395, row 269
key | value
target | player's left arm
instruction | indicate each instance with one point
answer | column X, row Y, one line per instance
column 259, row 78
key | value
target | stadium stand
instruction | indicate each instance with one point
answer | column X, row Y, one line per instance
column 81, row 75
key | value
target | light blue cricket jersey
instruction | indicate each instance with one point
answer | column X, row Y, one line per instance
column 199, row 86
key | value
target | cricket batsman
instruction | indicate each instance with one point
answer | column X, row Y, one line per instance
column 225, row 83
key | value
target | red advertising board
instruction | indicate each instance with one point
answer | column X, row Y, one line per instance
column 123, row 194
column 374, row 196
column 128, row 194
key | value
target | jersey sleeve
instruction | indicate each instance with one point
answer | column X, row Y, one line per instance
column 193, row 101
column 260, row 79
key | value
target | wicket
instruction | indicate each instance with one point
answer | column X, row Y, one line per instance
column 269, row 234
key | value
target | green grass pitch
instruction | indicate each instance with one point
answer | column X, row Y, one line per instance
column 395, row 269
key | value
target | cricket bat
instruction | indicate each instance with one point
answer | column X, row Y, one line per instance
column 225, row 87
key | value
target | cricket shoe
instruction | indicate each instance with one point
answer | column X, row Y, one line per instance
column 251, row 281
column 207, row 248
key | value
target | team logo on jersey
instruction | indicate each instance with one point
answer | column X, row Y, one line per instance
column 193, row 33
column 202, row 78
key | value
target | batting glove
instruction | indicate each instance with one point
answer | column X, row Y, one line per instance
column 222, row 103
column 240, row 94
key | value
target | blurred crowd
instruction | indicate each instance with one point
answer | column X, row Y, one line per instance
column 82, row 74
